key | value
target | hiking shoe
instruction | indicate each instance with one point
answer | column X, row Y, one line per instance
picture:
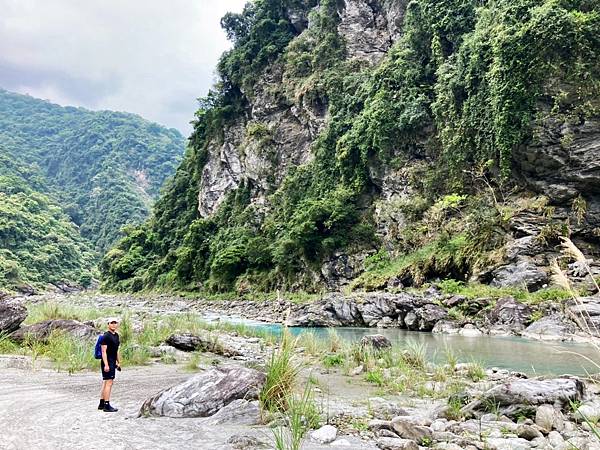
column 109, row 408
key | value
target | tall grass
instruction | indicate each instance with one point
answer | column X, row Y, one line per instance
column 52, row 310
column 282, row 375
column 301, row 415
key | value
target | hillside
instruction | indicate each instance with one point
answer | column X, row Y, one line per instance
column 105, row 167
column 372, row 145
column 70, row 179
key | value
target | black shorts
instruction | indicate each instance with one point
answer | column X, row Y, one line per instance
column 110, row 375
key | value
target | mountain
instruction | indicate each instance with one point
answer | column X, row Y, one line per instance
column 380, row 144
column 71, row 179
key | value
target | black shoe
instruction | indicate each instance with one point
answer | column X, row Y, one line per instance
column 108, row 408
column 101, row 405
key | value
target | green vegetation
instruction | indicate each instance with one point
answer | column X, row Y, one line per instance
column 460, row 90
column 69, row 180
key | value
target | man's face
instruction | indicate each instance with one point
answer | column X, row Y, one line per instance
column 112, row 326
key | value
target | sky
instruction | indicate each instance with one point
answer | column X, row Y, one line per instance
column 150, row 57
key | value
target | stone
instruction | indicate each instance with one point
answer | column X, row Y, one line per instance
column 324, row 435
column 439, row 425
column 587, row 314
column 376, row 425
column 384, row 409
column 508, row 443
column 588, row 411
column 521, row 273
column 386, row 433
column 12, row 314
column 407, row 429
column 357, row 370
column 550, row 328
column 189, row 342
column 376, row 342
column 528, row 432
column 515, row 396
column 41, row 331
column 446, row 327
column 428, row 315
column 470, row 330
column 245, row 442
column 387, row 443
column 238, row 412
column 206, row 393
column 547, row 417
column 508, row 311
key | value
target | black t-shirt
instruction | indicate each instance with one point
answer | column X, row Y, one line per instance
column 112, row 345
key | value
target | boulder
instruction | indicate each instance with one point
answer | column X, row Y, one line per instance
column 549, row 418
column 586, row 312
column 521, row 273
column 516, row 396
column 528, row 432
column 189, row 342
column 376, row 342
column 508, row 311
column 446, row 327
column 407, row 429
column 550, row 328
column 41, row 331
column 428, row 315
column 324, row 435
column 389, row 443
column 12, row 314
column 245, row 442
column 206, row 393
column 238, row 412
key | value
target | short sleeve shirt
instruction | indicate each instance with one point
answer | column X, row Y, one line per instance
column 112, row 345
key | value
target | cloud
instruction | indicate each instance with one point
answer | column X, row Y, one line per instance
column 150, row 57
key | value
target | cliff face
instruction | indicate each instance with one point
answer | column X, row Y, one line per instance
column 388, row 144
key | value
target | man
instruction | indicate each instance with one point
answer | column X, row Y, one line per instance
column 111, row 361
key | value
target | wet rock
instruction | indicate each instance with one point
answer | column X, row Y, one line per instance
column 407, row 429
column 388, row 443
column 206, row 393
column 446, row 327
column 550, row 328
column 522, row 273
column 238, row 412
column 324, row 435
column 41, row 331
column 518, row 396
column 12, row 314
column 510, row 312
column 587, row 314
column 376, row 342
column 470, row 330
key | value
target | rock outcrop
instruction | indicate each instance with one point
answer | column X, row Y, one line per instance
column 12, row 314
column 203, row 395
column 41, row 331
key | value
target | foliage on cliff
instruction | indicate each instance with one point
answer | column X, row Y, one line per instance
column 461, row 89
column 38, row 242
column 69, row 180
column 105, row 168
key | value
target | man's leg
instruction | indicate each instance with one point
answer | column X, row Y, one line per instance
column 106, row 389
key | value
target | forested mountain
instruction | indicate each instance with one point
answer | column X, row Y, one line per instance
column 375, row 144
column 71, row 179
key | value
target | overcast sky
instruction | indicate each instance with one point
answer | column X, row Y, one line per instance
column 150, row 57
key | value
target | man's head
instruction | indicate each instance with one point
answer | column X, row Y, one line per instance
column 113, row 323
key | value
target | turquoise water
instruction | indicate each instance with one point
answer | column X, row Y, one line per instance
column 513, row 353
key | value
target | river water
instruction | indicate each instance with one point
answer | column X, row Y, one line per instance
column 513, row 353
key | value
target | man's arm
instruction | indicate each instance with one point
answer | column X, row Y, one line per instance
column 104, row 357
column 119, row 358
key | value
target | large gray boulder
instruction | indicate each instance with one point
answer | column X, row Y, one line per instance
column 550, row 328
column 206, row 393
column 516, row 396
column 12, row 314
column 521, row 273
column 375, row 342
column 586, row 313
column 41, row 331
column 509, row 312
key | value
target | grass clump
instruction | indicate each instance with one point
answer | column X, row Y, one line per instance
column 302, row 414
column 282, row 375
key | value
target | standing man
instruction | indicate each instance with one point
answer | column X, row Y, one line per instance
column 111, row 361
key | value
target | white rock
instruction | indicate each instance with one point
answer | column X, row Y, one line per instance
column 325, row 434
column 341, row 443
column 555, row 439
column 509, row 444
column 439, row 425
column 589, row 411
column 386, row 443
column 470, row 331
column 548, row 418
